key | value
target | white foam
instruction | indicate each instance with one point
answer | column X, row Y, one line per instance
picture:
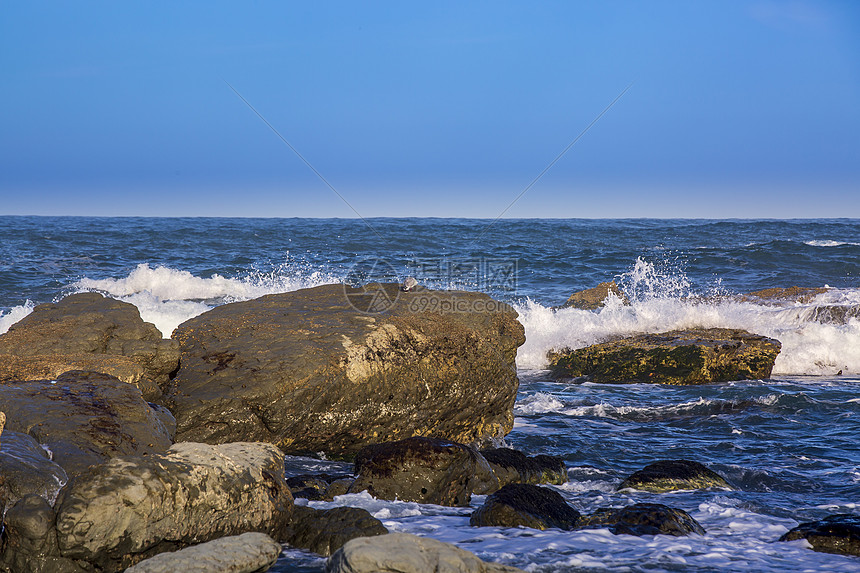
column 167, row 297
column 661, row 304
column 15, row 314
column 828, row 243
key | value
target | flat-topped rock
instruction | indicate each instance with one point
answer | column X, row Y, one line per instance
column 839, row 533
column 594, row 298
column 312, row 371
column 673, row 475
column 696, row 356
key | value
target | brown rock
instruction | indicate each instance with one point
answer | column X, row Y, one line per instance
column 310, row 371
column 789, row 294
column 593, row 298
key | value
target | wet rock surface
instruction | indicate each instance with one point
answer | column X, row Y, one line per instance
column 88, row 323
column 839, row 533
column 246, row 553
column 29, row 543
column 697, row 356
column 671, row 475
column 131, row 508
column 594, row 298
column 310, row 372
column 525, row 505
column 325, row 531
column 26, row 468
column 423, row 470
column 319, row 487
column 644, row 519
column 406, row 553
column 513, row 466
column 85, row 418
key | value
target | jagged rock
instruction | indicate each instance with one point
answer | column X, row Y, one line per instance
column 593, row 298
column 512, row 466
column 671, row 475
column 525, row 505
column 423, row 470
column 30, row 540
column 405, row 553
column 695, row 356
column 644, row 519
column 246, row 553
column 131, row 508
column 88, row 323
column 325, row 531
column 311, row 372
column 835, row 313
column 789, row 294
column 839, row 533
column 84, row 418
column 26, row 468
column 50, row 367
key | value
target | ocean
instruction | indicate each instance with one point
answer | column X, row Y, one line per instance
column 788, row 445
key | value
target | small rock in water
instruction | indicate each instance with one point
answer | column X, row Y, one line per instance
column 671, row 475
column 839, row 533
column 513, row 466
column 525, row 505
column 325, row 531
column 644, row 519
column 593, row 298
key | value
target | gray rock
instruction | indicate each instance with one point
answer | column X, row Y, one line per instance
column 405, row 553
column 30, row 540
column 246, row 553
column 325, row 531
column 424, row 470
column 131, row 508
column 88, row 323
column 85, row 418
column 525, row 505
column 310, row 372
column 25, row 468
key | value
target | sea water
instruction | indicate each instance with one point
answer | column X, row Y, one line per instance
column 787, row 445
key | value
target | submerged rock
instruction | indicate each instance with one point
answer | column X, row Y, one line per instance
column 246, row 553
column 789, row 294
column 85, row 418
column 131, row 508
column 839, row 533
column 524, row 505
column 644, row 519
column 695, row 356
column 423, row 470
column 311, row 372
column 671, row 475
column 405, row 553
column 88, row 323
column 594, row 298
column 325, row 531
column 512, row 466
column 26, row 468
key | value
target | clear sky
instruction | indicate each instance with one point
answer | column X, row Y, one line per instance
column 736, row 109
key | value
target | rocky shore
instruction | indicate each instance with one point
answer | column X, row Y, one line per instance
column 124, row 450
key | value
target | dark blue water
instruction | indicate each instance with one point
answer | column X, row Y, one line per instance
column 787, row 445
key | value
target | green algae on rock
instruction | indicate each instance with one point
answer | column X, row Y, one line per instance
column 696, row 356
column 673, row 475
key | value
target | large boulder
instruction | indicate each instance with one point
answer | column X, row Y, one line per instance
column 525, row 505
column 324, row 531
column 697, row 356
column 311, row 371
column 405, row 553
column 85, row 418
column 513, row 466
column 594, row 298
column 644, row 519
column 672, row 475
column 839, row 533
column 423, row 470
column 131, row 508
column 88, row 323
column 26, row 468
column 246, row 553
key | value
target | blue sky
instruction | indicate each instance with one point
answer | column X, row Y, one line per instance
column 736, row 109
